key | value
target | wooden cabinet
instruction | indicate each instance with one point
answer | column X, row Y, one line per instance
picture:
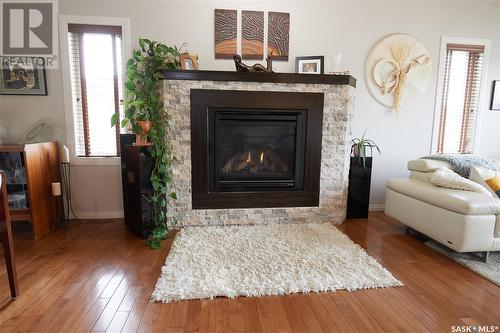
column 358, row 198
column 30, row 171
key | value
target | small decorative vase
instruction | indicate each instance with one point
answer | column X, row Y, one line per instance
column 142, row 139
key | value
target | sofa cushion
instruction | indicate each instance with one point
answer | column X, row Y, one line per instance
column 462, row 202
column 423, row 176
column 494, row 184
column 497, row 227
column 480, row 175
column 427, row 165
column 449, row 179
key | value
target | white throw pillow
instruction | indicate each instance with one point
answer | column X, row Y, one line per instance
column 423, row 176
column 480, row 175
column 449, row 179
column 427, row 165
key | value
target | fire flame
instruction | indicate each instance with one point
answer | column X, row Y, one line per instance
column 249, row 158
column 262, row 157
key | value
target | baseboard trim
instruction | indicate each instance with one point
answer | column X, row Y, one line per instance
column 376, row 207
column 103, row 214
column 118, row 214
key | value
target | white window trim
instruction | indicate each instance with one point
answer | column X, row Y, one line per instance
column 482, row 101
column 64, row 20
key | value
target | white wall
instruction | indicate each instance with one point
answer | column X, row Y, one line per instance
column 317, row 28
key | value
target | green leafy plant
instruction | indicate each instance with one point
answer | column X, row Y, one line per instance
column 143, row 75
column 144, row 102
column 359, row 148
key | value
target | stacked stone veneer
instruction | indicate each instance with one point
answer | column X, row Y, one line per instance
column 334, row 159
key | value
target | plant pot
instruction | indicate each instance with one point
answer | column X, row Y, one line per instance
column 355, row 150
column 142, row 139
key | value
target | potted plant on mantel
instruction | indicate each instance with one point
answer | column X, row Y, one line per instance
column 145, row 114
column 360, row 171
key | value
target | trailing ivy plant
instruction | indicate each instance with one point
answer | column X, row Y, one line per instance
column 144, row 102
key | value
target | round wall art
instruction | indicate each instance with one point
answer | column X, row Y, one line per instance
column 397, row 70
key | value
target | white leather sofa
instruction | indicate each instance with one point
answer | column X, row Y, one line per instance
column 461, row 220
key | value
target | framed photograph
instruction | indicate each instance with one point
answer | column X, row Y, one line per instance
column 20, row 79
column 188, row 62
column 495, row 96
column 310, row 65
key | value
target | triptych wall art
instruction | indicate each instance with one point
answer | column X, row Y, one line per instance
column 278, row 35
column 225, row 33
column 252, row 34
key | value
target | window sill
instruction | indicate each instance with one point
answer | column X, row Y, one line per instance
column 94, row 161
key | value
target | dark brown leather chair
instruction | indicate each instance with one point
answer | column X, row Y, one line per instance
column 6, row 237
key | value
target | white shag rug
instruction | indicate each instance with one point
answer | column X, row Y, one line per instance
column 490, row 269
column 205, row 262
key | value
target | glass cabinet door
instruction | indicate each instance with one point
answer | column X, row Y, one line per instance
column 17, row 189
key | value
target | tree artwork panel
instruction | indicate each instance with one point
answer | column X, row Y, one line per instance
column 278, row 35
column 252, row 33
column 225, row 33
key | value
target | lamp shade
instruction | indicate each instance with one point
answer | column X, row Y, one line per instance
column 64, row 154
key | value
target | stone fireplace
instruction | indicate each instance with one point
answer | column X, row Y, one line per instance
column 259, row 148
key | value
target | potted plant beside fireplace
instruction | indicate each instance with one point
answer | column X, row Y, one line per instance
column 360, row 171
column 145, row 114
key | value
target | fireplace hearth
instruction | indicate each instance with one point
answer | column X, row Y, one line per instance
column 255, row 149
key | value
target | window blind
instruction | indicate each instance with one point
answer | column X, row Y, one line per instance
column 463, row 68
column 76, row 93
column 96, row 82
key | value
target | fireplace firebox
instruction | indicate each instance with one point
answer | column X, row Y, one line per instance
column 255, row 149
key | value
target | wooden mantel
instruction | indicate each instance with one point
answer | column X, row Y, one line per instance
column 259, row 77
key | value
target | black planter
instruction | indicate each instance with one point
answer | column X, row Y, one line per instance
column 358, row 198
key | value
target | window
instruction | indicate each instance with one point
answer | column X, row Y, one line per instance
column 95, row 61
column 459, row 92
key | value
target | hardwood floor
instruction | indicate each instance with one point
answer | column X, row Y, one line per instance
column 95, row 276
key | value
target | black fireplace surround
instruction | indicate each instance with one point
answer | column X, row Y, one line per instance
column 252, row 149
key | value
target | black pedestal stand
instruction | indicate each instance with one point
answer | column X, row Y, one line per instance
column 67, row 193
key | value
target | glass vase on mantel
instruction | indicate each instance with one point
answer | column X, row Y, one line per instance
column 336, row 64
